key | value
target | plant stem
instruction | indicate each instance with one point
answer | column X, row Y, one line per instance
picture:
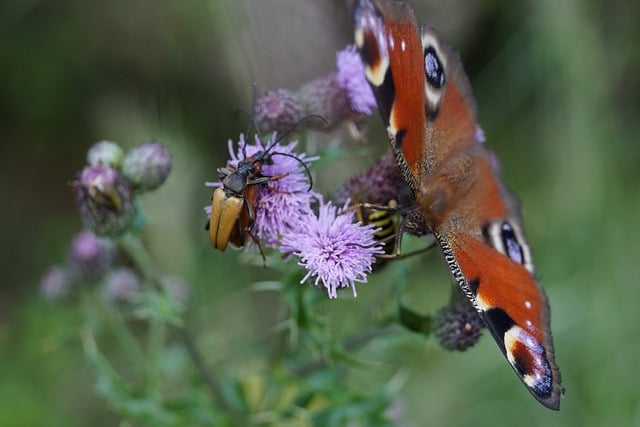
column 356, row 341
column 139, row 255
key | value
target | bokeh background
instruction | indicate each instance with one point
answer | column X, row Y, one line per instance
column 557, row 84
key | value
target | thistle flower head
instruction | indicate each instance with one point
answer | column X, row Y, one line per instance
column 147, row 165
column 104, row 199
column 334, row 250
column 457, row 326
column 352, row 80
column 90, row 256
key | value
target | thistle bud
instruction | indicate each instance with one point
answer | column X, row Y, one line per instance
column 121, row 286
column 105, row 153
column 324, row 96
column 278, row 110
column 147, row 166
column 90, row 256
column 378, row 185
column 104, row 200
column 55, row 284
column 177, row 288
column 457, row 326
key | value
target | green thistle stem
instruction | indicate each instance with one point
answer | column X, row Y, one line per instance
column 157, row 334
column 117, row 326
column 139, row 255
column 356, row 341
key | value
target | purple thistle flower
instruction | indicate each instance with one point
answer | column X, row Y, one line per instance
column 333, row 248
column 104, row 199
column 282, row 198
column 352, row 80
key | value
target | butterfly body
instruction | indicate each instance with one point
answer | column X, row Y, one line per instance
column 426, row 103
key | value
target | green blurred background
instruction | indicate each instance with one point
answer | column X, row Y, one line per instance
column 557, row 85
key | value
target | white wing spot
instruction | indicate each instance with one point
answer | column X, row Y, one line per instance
column 527, row 304
column 403, row 45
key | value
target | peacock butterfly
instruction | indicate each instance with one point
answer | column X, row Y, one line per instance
column 426, row 103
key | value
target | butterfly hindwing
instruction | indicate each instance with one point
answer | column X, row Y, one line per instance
column 513, row 307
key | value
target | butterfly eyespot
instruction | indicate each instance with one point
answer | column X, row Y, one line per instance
column 433, row 68
column 508, row 239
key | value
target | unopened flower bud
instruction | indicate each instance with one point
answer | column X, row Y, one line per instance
column 55, row 284
column 177, row 288
column 457, row 326
column 90, row 256
column 104, row 199
column 324, row 97
column 121, row 285
column 147, row 166
column 378, row 185
column 278, row 110
column 105, row 153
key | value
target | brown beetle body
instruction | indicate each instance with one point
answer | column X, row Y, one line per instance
column 233, row 204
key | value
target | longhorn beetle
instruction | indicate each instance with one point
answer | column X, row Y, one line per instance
column 233, row 205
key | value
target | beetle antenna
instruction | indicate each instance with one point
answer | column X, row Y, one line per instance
column 294, row 127
column 252, row 119
column 284, row 135
column 304, row 165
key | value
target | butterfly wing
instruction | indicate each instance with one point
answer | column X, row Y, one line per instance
column 425, row 101
column 489, row 259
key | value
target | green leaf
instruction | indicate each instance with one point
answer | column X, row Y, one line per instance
column 159, row 306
